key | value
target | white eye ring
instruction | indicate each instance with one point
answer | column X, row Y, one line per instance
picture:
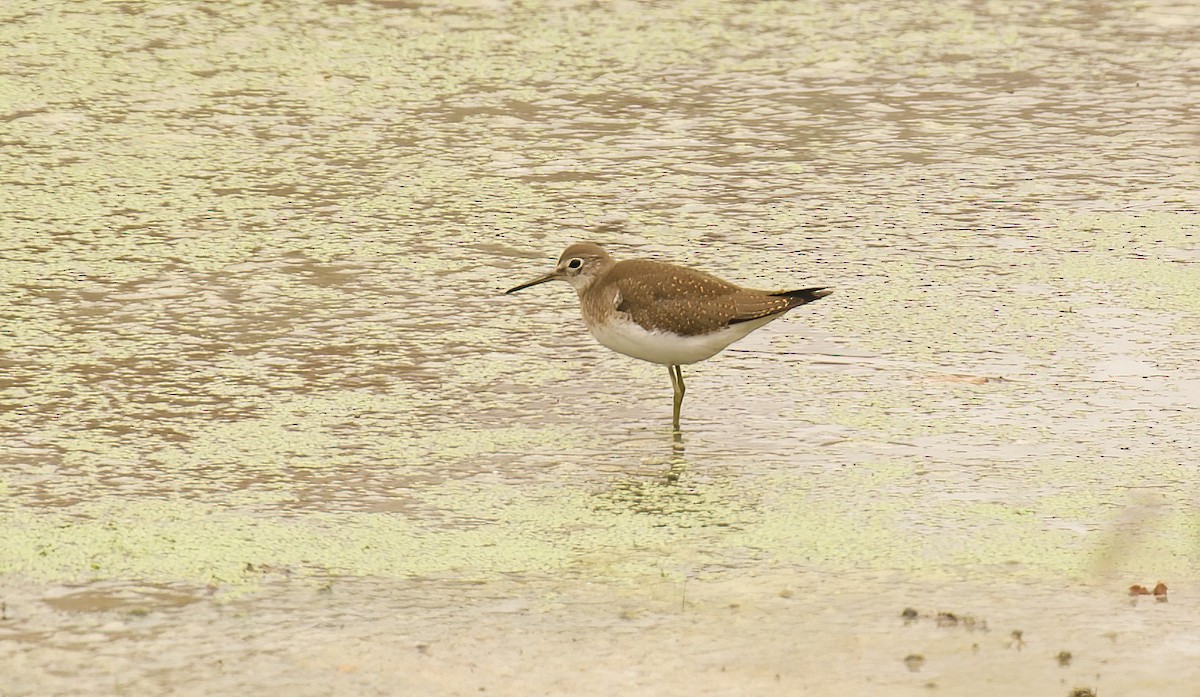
column 575, row 264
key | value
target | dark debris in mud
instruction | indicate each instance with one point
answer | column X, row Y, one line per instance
column 944, row 618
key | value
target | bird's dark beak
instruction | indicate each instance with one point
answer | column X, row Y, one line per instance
column 540, row 279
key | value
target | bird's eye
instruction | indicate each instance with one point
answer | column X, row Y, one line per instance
column 575, row 264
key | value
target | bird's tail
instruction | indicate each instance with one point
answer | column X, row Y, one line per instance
column 796, row 298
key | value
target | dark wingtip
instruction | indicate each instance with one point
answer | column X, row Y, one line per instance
column 804, row 295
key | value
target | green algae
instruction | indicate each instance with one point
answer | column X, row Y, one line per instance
column 1139, row 259
column 482, row 530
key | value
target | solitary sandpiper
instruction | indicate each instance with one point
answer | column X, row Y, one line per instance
column 665, row 313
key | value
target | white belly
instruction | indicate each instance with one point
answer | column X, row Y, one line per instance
column 666, row 348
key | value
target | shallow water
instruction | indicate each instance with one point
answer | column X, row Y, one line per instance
column 268, row 421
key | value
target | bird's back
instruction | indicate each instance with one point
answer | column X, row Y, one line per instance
column 676, row 299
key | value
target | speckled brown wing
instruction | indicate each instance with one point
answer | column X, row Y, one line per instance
column 764, row 304
column 663, row 297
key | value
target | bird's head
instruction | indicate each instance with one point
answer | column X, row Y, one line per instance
column 579, row 265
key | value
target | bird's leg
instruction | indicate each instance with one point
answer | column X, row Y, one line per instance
column 680, row 388
column 674, row 388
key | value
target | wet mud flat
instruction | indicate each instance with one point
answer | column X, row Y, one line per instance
column 786, row 633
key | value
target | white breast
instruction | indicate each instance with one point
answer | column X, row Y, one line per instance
column 629, row 338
